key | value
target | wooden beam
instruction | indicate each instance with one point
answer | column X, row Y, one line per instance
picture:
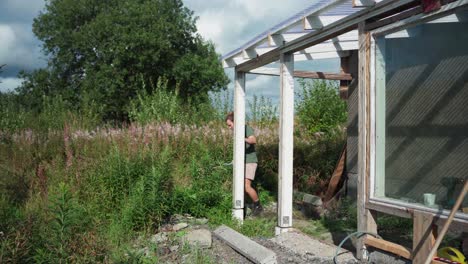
column 349, row 65
column 323, row 75
column 366, row 217
column 305, row 74
column 395, row 18
column 363, row 3
column 332, row 46
column 286, row 143
column 448, row 7
column 320, row 55
column 318, row 22
column 239, row 147
column 403, row 15
column 328, row 32
column 344, row 64
column 388, row 247
column 424, row 236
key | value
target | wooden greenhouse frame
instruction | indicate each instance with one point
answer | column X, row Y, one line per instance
column 336, row 29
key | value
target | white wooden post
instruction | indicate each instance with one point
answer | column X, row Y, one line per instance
column 285, row 175
column 239, row 146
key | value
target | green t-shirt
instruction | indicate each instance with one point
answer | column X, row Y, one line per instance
column 250, row 154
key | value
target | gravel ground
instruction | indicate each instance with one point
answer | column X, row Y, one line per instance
column 223, row 253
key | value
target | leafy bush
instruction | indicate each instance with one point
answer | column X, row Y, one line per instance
column 165, row 105
column 320, row 109
column 162, row 105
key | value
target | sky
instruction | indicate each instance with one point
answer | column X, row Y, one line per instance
column 227, row 23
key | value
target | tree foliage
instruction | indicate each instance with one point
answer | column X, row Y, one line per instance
column 320, row 108
column 107, row 49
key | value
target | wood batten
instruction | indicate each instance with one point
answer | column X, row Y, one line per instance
column 239, row 146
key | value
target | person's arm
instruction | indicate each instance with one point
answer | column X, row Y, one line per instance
column 251, row 140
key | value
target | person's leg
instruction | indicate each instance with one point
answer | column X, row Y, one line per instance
column 250, row 191
column 250, row 169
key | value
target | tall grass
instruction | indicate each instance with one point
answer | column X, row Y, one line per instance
column 96, row 188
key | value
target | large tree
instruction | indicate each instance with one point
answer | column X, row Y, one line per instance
column 107, row 50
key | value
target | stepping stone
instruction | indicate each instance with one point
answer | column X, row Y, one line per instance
column 200, row 238
column 245, row 246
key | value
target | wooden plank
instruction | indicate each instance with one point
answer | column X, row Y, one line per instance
column 363, row 3
column 286, row 143
column 304, row 74
column 388, row 247
column 336, row 177
column 323, row 75
column 328, row 32
column 405, row 210
column 366, row 218
column 438, row 262
column 400, row 211
column 424, row 236
column 239, row 147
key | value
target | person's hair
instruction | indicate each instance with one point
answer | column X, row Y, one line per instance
column 230, row 116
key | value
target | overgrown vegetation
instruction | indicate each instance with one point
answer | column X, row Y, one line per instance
column 124, row 128
column 96, row 188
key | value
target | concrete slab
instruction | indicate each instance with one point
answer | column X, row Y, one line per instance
column 199, row 237
column 315, row 249
column 245, row 246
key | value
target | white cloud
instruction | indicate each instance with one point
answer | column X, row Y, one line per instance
column 18, row 48
column 7, row 35
column 9, row 84
column 231, row 23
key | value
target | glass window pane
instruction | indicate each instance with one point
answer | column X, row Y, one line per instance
column 421, row 89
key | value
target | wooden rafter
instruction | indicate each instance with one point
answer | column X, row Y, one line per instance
column 305, row 74
column 328, row 32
